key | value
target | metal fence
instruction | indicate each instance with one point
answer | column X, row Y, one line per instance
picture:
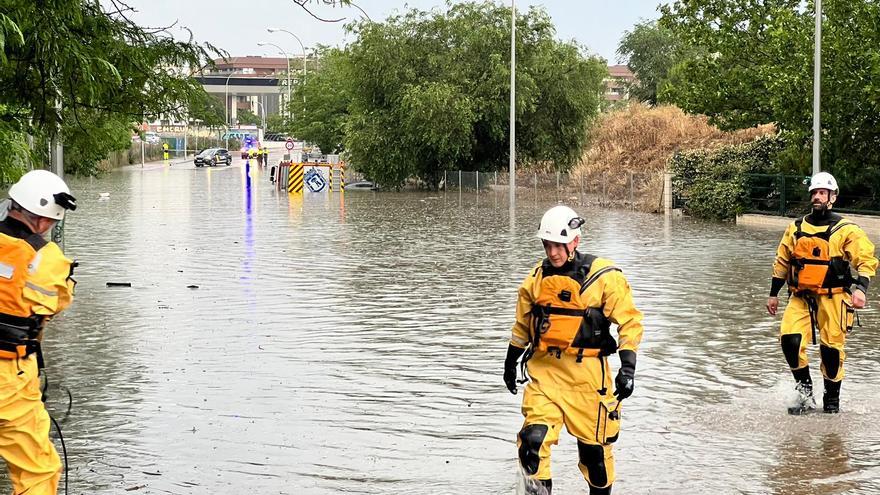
column 580, row 188
column 787, row 195
column 777, row 194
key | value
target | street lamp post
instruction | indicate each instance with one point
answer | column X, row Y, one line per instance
column 286, row 57
column 262, row 109
column 512, row 103
column 303, row 47
column 226, row 107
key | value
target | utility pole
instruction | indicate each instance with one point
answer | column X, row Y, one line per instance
column 57, row 146
column 56, row 157
column 512, row 104
column 817, row 90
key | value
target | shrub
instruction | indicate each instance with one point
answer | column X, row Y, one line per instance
column 715, row 183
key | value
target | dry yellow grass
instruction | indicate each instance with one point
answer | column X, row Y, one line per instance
column 639, row 140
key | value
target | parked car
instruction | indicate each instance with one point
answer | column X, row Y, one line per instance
column 362, row 185
column 275, row 136
column 212, row 157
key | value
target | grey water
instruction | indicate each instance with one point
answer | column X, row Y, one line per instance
column 354, row 344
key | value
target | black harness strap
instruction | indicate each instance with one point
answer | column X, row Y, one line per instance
column 813, row 309
column 595, row 276
column 551, row 310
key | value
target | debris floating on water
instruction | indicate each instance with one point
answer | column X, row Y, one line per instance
column 192, row 286
column 118, row 284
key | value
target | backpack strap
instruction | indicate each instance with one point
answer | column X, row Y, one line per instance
column 798, row 233
column 599, row 273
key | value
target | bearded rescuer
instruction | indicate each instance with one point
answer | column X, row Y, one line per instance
column 35, row 285
column 827, row 262
column 563, row 318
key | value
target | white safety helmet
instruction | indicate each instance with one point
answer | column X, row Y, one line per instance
column 560, row 224
column 43, row 193
column 823, row 180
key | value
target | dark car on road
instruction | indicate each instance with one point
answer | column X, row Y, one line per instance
column 212, row 157
column 362, row 185
column 275, row 136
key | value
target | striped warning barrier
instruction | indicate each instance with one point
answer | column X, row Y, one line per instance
column 295, row 179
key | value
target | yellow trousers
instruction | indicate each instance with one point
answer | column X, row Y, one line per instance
column 591, row 417
column 834, row 318
column 33, row 464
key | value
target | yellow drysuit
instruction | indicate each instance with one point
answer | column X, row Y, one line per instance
column 832, row 308
column 571, row 385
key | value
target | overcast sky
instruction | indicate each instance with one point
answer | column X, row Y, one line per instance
column 238, row 26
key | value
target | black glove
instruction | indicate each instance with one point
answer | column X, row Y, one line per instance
column 513, row 354
column 625, row 381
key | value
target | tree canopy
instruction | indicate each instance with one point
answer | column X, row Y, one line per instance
column 425, row 92
column 650, row 51
column 322, row 119
column 70, row 66
column 756, row 66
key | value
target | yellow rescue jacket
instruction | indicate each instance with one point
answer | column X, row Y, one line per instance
column 567, row 313
column 35, row 276
column 824, row 259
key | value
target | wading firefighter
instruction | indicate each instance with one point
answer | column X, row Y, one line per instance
column 827, row 262
column 564, row 313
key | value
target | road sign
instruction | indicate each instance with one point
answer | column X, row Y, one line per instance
column 289, row 144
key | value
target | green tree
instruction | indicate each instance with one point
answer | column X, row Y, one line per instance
column 757, row 67
column 247, row 117
column 425, row 92
column 276, row 123
column 91, row 138
column 205, row 108
column 327, row 95
column 69, row 66
column 650, row 51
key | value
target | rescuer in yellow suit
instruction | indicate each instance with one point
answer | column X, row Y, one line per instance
column 564, row 313
column 827, row 262
column 35, row 284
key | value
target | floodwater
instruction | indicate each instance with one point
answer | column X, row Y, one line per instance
column 328, row 345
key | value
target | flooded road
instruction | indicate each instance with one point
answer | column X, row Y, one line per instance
column 325, row 345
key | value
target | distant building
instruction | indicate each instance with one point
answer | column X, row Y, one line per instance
column 255, row 67
column 617, row 83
